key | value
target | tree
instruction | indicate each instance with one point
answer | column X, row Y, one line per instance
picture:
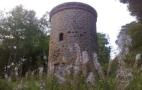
column 135, row 7
column 135, row 32
column 24, row 39
column 104, row 48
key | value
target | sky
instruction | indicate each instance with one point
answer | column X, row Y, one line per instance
column 111, row 14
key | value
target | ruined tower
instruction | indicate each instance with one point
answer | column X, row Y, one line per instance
column 73, row 36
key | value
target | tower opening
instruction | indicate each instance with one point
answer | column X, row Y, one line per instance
column 61, row 37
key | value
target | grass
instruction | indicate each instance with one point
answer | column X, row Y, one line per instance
column 136, row 83
column 49, row 83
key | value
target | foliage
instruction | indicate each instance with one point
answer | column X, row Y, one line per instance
column 135, row 7
column 24, row 39
column 134, row 30
column 104, row 49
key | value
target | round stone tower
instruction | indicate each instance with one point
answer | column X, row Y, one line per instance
column 72, row 38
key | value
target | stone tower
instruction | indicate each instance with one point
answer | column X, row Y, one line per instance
column 73, row 38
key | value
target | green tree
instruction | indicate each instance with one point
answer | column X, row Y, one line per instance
column 135, row 7
column 24, row 39
column 134, row 30
column 104, row 48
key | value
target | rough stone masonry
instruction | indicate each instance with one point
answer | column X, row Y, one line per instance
column 73, row 40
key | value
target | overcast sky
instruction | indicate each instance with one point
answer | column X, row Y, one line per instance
column 111, row 13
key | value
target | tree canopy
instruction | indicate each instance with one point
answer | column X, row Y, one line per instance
column 135, row 32
column 24, row 39
column 135, row 7
column 104, row 48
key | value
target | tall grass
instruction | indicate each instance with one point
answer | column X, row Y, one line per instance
column 51, row 83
